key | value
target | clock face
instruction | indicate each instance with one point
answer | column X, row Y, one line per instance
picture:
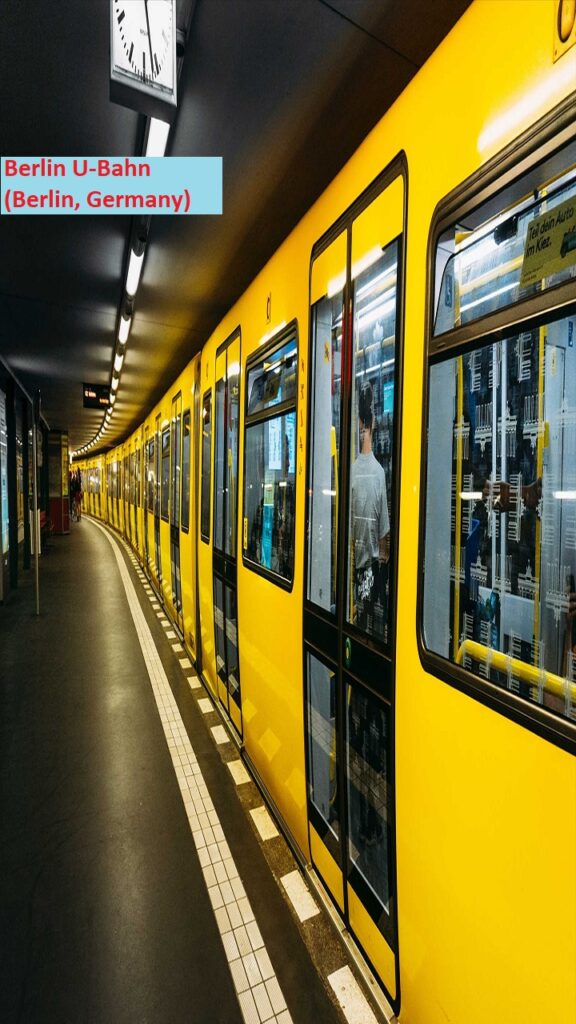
column 143, row 45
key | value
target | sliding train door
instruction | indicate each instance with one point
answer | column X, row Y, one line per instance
column 351, row 544
column 175, row 507
column 227, row 407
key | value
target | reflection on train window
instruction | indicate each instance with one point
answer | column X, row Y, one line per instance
column 219, row 461
column 325, row 450
column 175, row 503
column 273, row 381
column 372, row 415
column 270, row 460
column 322, row 756
column 150, row 479
column 368, row 793
column 206, row 456
column 500, row 556
column 491, row 261
column 138, row 480
column 269, row 494
column 186, row 471
column 165, row 493
column 233, row 397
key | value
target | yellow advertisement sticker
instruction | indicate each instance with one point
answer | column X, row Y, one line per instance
column 550, row 243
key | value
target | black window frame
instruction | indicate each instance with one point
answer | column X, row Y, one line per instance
column 551, row 134
column 277, row 342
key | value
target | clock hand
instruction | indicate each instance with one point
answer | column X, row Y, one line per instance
column 149, row 40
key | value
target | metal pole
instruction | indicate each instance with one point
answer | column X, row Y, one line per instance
column 35, row 531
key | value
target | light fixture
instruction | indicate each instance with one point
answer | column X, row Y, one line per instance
column 134, row 270
column 118, row 362
column 157, row 137
column 115, row 383
column 124, row 329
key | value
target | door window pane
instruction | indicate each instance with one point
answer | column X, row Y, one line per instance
column 368, row 791
column 206, row 455
column 232, row 457
column 500, row 556
column 269, row 497
column 175, row 504
column 165, row 473
column 322, row 757
column 186, row 472
column 219, row 464
column 150, row 481
column 273, row 381
column 232, row 662
column 372, row 416
column 327, row 318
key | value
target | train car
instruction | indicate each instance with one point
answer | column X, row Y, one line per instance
column 376, row 450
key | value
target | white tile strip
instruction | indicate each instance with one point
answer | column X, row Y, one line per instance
column 300, row 898
column 256, row 985
column 220, row 735
column 205, row 705
column 185, row 662
column 266, row 827
column 238, row 772
column 355, row 1006
column 170, row 634
column 195, row 683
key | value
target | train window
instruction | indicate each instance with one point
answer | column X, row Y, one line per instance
column 219, row 460
column 150, row 477
column 270, row 460
column 186, row 471
column 373, row 362
column 175, row 504
column 321, row 708
column 273, row 380
column 369, row 791
column 509, row 248
column 232, row 457
column 500, row 524
column 137, row 478
column 206, row 465
column 328, row 276
column 165, row 491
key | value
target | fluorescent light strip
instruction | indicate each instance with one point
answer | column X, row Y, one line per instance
column 134, row 270
column 124, row 330
column 158, row 132
column 115, row 383
column 118, row 362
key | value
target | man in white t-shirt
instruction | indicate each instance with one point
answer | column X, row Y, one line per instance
column 370, row 523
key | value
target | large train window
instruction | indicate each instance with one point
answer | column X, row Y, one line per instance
column 500, row 522
column 206, row 456
column 270, row 458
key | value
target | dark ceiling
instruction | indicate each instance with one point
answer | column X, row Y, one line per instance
column 283, row 90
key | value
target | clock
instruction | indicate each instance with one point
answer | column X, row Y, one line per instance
column 143, row 56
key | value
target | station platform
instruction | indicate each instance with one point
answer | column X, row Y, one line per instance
column 142, row 879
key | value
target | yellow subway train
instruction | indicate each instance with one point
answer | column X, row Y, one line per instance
column 358, row 505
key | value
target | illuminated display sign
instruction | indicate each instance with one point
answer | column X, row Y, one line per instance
column 96, row 396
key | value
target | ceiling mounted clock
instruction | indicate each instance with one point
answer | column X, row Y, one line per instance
column 143, row 56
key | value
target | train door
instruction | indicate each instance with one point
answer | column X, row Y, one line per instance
column 148, row 493
column 227, row 404
column 127, row 496
column 351, row 543
column 175, row 506
column 136, row 495
column 157, row 453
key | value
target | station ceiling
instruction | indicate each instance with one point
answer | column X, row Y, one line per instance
column 283, row 90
